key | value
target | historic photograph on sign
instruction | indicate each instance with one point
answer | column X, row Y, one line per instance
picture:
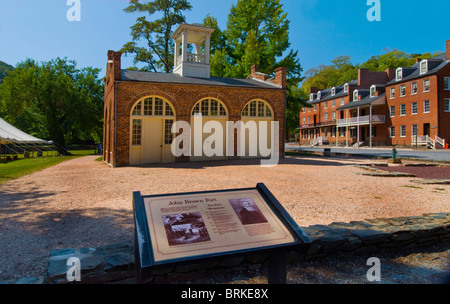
column 247, row 211
column 185, row 229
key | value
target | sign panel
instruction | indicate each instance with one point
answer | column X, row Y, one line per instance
column 174, row 228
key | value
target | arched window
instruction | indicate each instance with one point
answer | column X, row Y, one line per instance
column 257, row 109
column 153, row 106
column 210, row 107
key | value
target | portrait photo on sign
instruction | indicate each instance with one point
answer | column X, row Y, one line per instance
column 185, row 228
column 247, row 211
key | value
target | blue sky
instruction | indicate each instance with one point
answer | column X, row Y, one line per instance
column 320, row 30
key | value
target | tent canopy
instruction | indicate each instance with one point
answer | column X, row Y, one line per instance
column 9, row 133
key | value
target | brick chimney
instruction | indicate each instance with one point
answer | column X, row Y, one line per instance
column 367, row 78
column 280, row 77
column 313, row 90
column 447, row 51
column 114, row 65
column 255, row 74
column 390, row 72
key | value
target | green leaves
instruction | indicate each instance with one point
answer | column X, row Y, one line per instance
column 151, row 44
column 54, row 100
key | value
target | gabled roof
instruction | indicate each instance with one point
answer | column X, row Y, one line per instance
column 381, row 99
column 434, row 65
column 140, row 76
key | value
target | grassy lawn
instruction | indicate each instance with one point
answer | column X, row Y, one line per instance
column 17, row 168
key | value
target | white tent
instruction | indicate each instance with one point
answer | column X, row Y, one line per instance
column 11, row 134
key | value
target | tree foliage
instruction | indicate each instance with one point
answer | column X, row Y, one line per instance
column 54, row 100
column 157, row 54
column 4, row 69
column 342, row 70
column 257, row 33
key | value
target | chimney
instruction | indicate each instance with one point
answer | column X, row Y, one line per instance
column 280, row 77
column 114, row 64
column 418, row 60
column 447, row 50
column 254, row 70
column 390, row 72
column 313, row 90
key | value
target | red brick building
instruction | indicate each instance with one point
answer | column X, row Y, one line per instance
column 403, row 107
column 141, row 107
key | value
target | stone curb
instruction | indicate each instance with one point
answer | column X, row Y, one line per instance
column 115, row 263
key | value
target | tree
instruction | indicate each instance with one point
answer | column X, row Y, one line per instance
column 257, row 33
column 4, row 69
column 157, row 55
column 54, row 100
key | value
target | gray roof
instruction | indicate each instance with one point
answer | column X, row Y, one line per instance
column 363, row 102
column 9, row 133
column 434, row 65
column 140, row 76
column 326, row 94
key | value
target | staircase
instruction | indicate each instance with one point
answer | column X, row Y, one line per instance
column 425, row 140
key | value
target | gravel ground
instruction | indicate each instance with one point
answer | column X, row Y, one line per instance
column 85, row 203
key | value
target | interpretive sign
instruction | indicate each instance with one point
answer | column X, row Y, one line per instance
column 175, row 228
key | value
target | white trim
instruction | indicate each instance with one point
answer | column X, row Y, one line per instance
column 397, row 78
column 447, row 100
column 425, row 70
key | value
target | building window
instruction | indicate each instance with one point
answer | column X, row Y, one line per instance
column 342, row 132
column 414, row 130
column 447, row 105
column 392, row 132
column 315, row 107
column 392, row 111
column 137, row 109
column 446, row 83
column 168, row 135
column 392, row 93
column 402, row 110
column 399, row 74
column 333, row 91
column 148, row 107
column 423, row 67
column 213, row 107
column 342, row 101
column 333, row 131
column 304, row 120
column 153, row 106
column 414, row 88
column 414, row 108
column 402, row 90
column 333, row 115
column 159, row 107
column 373, row 89
column 137, row 132
column 311, row 98
column 325, row 104
column 255, row 108
column 309, row 120
column 426, row 85
column 426, row 106
column 355, row 95
column 333, row 103
column 319, row 95
column 402, row 131
column 346, row 88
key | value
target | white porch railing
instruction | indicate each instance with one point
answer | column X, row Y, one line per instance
column 191, row 58
column 319, row 141
column 425, row 140
column 362, row 120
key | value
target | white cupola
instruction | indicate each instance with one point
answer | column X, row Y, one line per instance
column 195, row 64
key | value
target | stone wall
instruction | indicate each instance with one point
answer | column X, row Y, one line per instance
column 115, row 263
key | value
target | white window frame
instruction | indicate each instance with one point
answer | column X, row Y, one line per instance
column 342, row 101
column 333, row 91
column 412, row 108
column 325, row 117
column 414, row 130
column 373, row 90
column 402, row 131
column 399, row 74
column 392, row 130
column 424, row 67
column 319, row 95
column 412, row 88
column 333, row 115
column 392, row 93
column 429, row 85
column 425, row 107
column 392, row 111
column 355, row 93
column 403, row 110
column 333, row 103
column 447, row 105
column 346, row 88
column 311, row 97
column 447, row 83
column 403, row 90
column 315, row 107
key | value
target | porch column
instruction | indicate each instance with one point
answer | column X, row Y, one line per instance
column 357, row 127
column 184, row 45
column 346, row 131
column 370, row 125
column 176, row 53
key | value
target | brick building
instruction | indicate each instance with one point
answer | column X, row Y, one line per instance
column 408, row 106
column 141, row 107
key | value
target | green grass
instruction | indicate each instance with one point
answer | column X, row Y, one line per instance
column 18, row 168
column 414, row 187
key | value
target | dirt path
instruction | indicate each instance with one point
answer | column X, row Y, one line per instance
column 85, row 203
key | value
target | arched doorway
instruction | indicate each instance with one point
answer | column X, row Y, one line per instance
column 151, row 131
column 257, row 111
column 211, row 109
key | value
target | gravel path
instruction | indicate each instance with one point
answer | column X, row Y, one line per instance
column 85, row 203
